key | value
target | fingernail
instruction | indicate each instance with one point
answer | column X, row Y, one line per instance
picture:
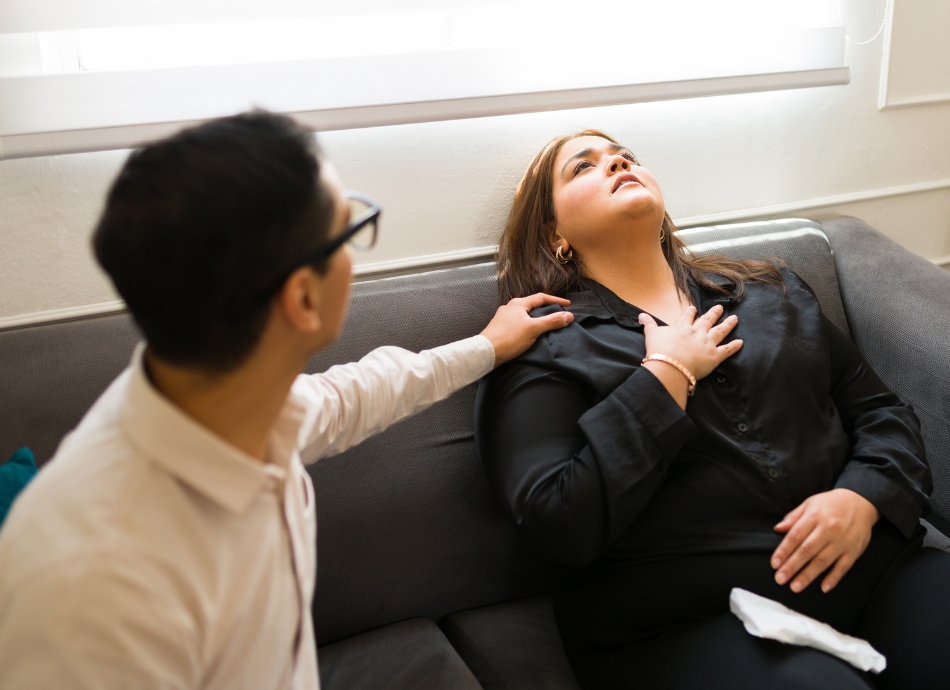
column 825, row 588
column 780, row 578
column 796, row 587
column 776, row 562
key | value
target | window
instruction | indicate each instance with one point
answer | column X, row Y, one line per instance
column 106, row 75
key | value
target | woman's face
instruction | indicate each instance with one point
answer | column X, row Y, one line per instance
column 600, row 192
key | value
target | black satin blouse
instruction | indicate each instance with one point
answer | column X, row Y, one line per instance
column 594, row 462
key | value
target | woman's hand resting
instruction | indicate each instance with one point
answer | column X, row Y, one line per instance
column 830, row 528
column 512, row 330
column 693, row 342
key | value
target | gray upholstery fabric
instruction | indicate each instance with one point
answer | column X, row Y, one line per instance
column 801, row 243
column 407, row 524
column 50, row 374
column 513, row 646
column 405, row 656
column 934, row 538
column 898, row 305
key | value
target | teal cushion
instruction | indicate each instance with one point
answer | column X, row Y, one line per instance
column 15, row 473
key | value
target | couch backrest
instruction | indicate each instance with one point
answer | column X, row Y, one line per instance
column 801, row 244
column 407, row 525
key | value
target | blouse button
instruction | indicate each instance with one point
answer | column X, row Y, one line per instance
column 773, row 473
column 743, row 427
column 720, row 379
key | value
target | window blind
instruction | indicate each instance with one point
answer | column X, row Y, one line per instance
column 108, row 75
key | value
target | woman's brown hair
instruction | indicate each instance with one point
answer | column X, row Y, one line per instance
column 527, row 265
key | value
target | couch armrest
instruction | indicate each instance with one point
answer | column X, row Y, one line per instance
column 898, row 308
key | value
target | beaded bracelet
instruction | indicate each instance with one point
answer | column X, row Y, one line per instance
column 673, row 363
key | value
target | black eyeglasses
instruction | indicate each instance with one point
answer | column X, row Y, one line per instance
column 360, row 233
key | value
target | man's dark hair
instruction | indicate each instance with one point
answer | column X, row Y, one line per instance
column 200, row 230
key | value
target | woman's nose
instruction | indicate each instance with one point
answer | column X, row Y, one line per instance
column 619, row 163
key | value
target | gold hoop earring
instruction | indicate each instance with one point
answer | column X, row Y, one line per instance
column 662, row 234
column 561, row 259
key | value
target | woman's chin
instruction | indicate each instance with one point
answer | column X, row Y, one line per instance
column 643, row 208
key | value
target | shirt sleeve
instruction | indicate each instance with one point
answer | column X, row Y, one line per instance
column 351, row 402
column 570, row 473
column 888, row 463
column 97, row 624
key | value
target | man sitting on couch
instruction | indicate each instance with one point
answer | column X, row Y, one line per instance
column 170, row 542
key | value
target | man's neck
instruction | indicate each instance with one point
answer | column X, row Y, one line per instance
column 240, row 407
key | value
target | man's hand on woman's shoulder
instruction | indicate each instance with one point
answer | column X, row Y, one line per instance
column 512, row 330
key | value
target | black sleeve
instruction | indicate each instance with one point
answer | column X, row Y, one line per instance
column 571, row 475
column 888, row 464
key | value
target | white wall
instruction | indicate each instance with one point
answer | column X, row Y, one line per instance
column 446, row 187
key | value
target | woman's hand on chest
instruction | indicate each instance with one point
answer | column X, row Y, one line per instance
column 693, row 342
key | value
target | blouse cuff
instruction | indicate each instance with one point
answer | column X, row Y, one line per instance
column 666, row 422
column 891, row 501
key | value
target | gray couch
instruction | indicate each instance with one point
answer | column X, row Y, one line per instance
column 421, row 582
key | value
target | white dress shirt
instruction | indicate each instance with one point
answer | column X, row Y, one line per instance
column 149, row 553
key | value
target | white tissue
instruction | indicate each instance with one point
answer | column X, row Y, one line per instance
column 769, row 619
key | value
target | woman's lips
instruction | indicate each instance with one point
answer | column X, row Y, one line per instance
column 624, row 179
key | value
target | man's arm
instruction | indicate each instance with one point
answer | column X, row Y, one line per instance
column 351, row 402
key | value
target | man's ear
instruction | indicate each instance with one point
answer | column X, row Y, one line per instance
column 299, row 300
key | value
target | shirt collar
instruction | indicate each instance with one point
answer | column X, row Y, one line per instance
column 596, row 300
column 187, row 450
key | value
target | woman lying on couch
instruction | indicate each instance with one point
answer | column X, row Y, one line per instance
column 700, row 426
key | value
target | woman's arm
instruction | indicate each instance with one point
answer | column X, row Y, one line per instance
column 571, row 475
column 888, row 463
column 887, row 476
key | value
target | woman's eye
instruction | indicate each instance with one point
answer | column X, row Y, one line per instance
column 629, row 157
column 581, row 166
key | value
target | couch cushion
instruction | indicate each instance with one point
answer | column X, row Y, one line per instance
column 15, row 474
column 512, row 646
column 408, row 655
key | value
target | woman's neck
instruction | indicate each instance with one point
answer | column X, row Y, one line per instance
column 640, row 275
